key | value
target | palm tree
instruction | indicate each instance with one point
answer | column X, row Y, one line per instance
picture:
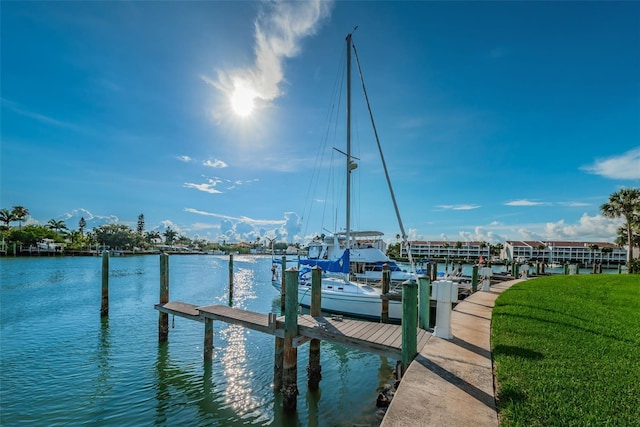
column 55, row 225
column 593, row 247
column 20, row 213
column 607, row 250
column 169, row 236
column 624, row 203
column 6, row 216
column 152, row 236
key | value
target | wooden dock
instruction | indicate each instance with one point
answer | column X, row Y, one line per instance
column 380, row 338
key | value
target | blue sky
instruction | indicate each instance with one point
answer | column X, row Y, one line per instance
column 498, row 120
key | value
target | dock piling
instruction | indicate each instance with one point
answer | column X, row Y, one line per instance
column 282, row 283
column 409, row 323
column 474, row 278
column 208, row 338
column 104, row 306
column 290, row 360
column 278, row 360
column 424, row 300
column 163, row 318
column 314, row 369
column 386, row 280
column 230, row 279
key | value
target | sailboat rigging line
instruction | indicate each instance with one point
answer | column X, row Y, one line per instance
column 384, row 164
column 331, row 118
column 306, row 291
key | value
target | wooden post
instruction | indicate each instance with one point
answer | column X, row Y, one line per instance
column 163, row 318
column 277, row 365
column 409, row 323
column 474, row 278
column 290, row 362
column 424, row 301
column 386, row 280
column 208, row 338
column 230, row 279
column 283, row 288
column 314, row 370
column 104, row 306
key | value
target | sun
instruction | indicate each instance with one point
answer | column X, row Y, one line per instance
column 242, row 100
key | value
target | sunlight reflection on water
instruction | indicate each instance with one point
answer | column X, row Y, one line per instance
column 63, row 365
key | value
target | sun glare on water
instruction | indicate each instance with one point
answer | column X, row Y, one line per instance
column 242, row 100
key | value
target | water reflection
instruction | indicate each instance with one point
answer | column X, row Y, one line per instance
column 162, row 387
column 313, row 399
column 102, row 387
column 237, row 373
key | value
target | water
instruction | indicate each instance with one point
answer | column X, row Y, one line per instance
column 60, row 364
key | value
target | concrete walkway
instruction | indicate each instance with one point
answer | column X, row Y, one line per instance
column 450, row 382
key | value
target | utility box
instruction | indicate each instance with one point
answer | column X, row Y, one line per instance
column 445, row 292
column 485, row 272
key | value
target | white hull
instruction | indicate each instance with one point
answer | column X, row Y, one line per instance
column 348, row 298
column 374, row 276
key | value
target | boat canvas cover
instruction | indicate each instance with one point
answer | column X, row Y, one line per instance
column 340, row 265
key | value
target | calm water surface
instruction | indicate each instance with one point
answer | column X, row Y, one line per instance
column 60, row 364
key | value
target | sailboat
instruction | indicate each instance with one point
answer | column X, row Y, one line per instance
column 367, row 256
column 339, row 293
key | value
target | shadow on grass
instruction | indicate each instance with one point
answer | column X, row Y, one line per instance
column 567, row 325
column 513, row 351
column 508, row 395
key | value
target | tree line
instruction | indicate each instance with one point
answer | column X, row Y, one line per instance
column 624, row 203
column 113, row 236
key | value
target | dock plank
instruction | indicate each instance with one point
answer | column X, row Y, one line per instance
column 380, row 338
column 181, row 309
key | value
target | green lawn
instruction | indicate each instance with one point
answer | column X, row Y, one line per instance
column 566, row 351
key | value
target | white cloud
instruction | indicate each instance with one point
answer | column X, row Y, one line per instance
column 523, row 202
column 72, row 219
column 279, row 30
column 185, row 159
column 248, row 229
column 459, row 207
column 215, row 164
column 481, row 234
column 595, row 227
column 574, row 204
column 207, row 187
column 625, row 166
column 167, row 223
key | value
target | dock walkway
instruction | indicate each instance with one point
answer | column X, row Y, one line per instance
column 450, row 382
column 379, row 338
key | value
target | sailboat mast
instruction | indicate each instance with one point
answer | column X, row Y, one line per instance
column 348, row 224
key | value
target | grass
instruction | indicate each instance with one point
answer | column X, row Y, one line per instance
column 566, row 351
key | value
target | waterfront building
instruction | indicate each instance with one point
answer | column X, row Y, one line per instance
column 441, row 249
column 560, row 252
column 551, row 252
